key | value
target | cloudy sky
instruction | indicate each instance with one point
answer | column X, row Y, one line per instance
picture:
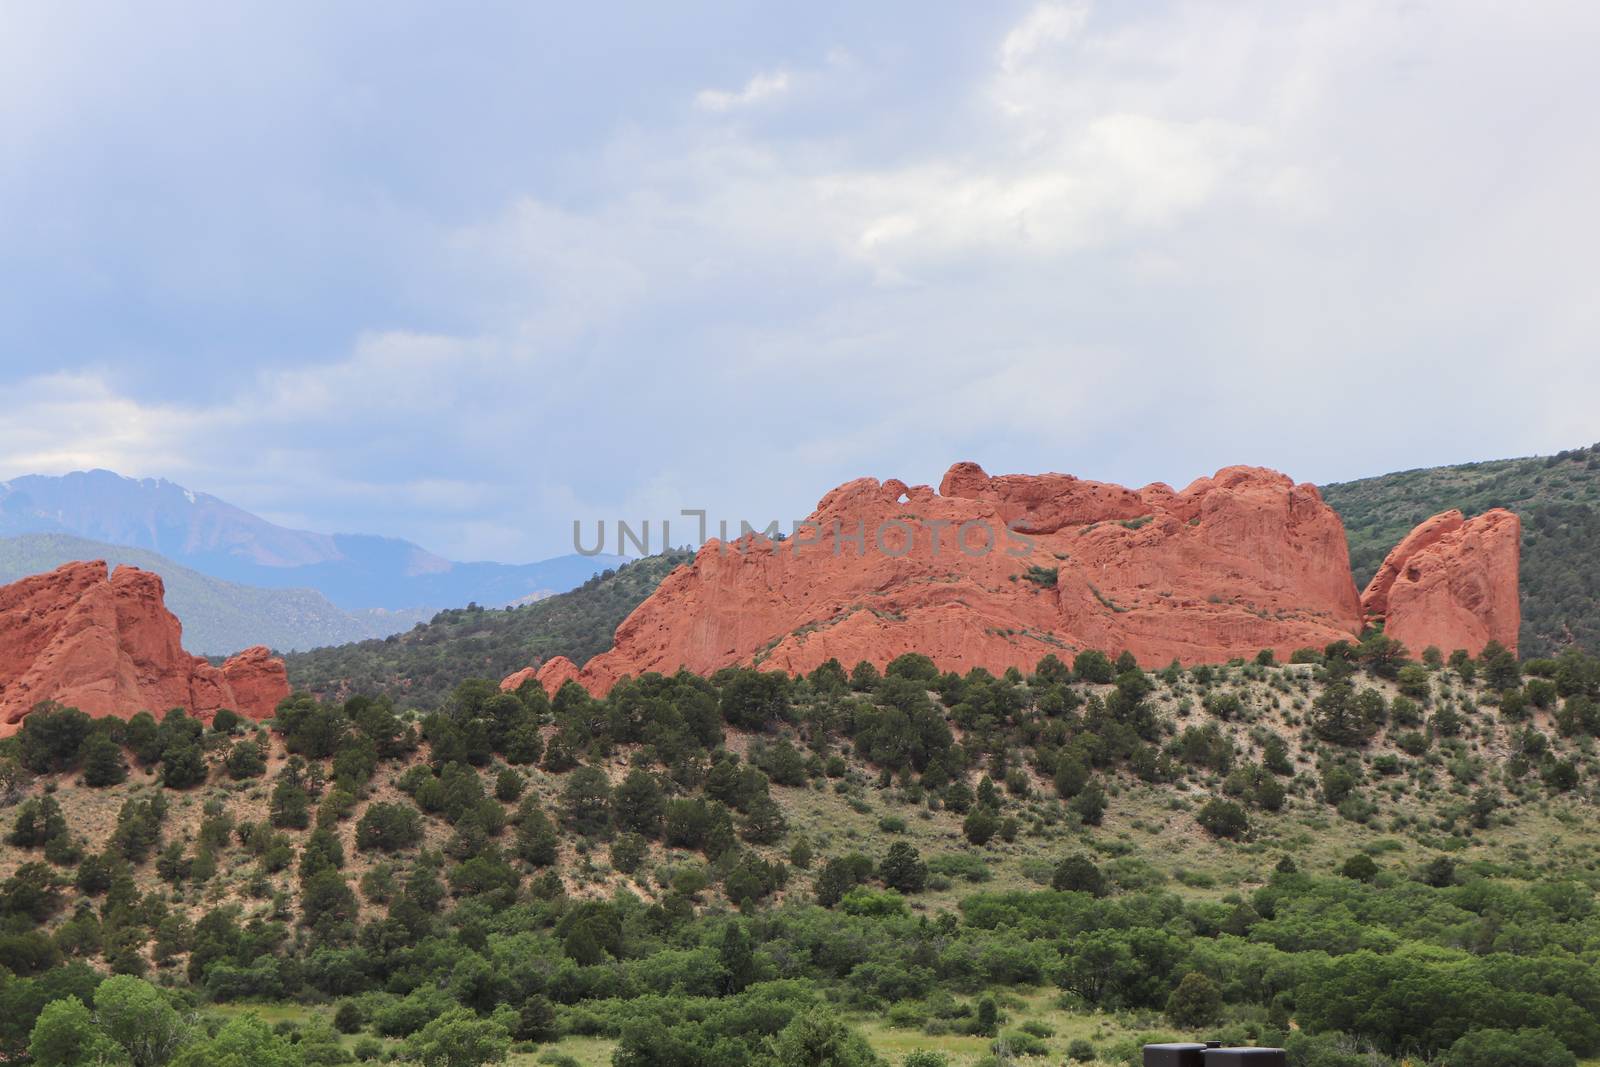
column 464, row 273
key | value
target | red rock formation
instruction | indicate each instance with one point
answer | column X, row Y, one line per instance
column 517, row 679
column 551, row 677
column 110, row 647
column 999, row 571
column 557, row 673
column 1452, row 583
column 258, row 680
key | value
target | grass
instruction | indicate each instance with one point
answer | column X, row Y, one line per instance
column 1041, row 1005
column 588, row 1051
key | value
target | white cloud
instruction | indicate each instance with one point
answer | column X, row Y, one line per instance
column 1046, row 25
column 759, row 88
column 73, row 421
column 1135, row 244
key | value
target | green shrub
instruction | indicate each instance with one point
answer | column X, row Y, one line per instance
column 1196, row 1001
column 1045, row 577
column 388, row 828
column 628, row 852
column 1223, row 818
column 348, row 1018
column 962, row 865
column 1509, row 1048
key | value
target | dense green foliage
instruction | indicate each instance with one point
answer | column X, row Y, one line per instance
column 516, row 868
column 428, row 661
column 1558, row 500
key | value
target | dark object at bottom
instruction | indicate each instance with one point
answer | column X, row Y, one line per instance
column 1211, row 1054
column 1246, row 1057
column 1186, row 1054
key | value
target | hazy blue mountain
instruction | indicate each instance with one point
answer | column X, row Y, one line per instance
column 357, row 572
column 218, row 617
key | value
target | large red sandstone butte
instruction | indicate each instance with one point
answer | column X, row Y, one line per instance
column 1451, row 583
column 998, row 571
column 109, row 646
column 1235, row 563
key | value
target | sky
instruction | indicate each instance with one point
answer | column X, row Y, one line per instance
column 467, row 273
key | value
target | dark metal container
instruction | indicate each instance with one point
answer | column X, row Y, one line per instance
column 1245, row 1057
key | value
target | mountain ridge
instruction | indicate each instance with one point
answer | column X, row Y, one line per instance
column 356, row 572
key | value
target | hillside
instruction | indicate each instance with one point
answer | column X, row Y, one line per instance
column 358, row 572
column 981, row 869
column 219, row 618
column 1558, row 499
column 421, row 666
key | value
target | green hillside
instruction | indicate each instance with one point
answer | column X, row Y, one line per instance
column 1558, row 499
column 218, row 617
column 422, row 666
column 1373, row 866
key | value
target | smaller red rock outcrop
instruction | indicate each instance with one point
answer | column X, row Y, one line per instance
column 107, row 644
column 1451, row 583
column 555, row 673
column 258, row 680
column 517, row 679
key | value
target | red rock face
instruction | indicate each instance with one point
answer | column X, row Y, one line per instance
column 109, row 646
column 258, row 680
column 552, row 676
column 517, row 679
column 1452, row 583
column 999, row 571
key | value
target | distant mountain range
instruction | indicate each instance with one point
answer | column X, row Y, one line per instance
column 340, row 586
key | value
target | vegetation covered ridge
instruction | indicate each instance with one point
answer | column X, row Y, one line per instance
column 424, row 664
column 1353, row 855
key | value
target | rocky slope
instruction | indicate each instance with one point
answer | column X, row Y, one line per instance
column 998, row 571
column 108, row 645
